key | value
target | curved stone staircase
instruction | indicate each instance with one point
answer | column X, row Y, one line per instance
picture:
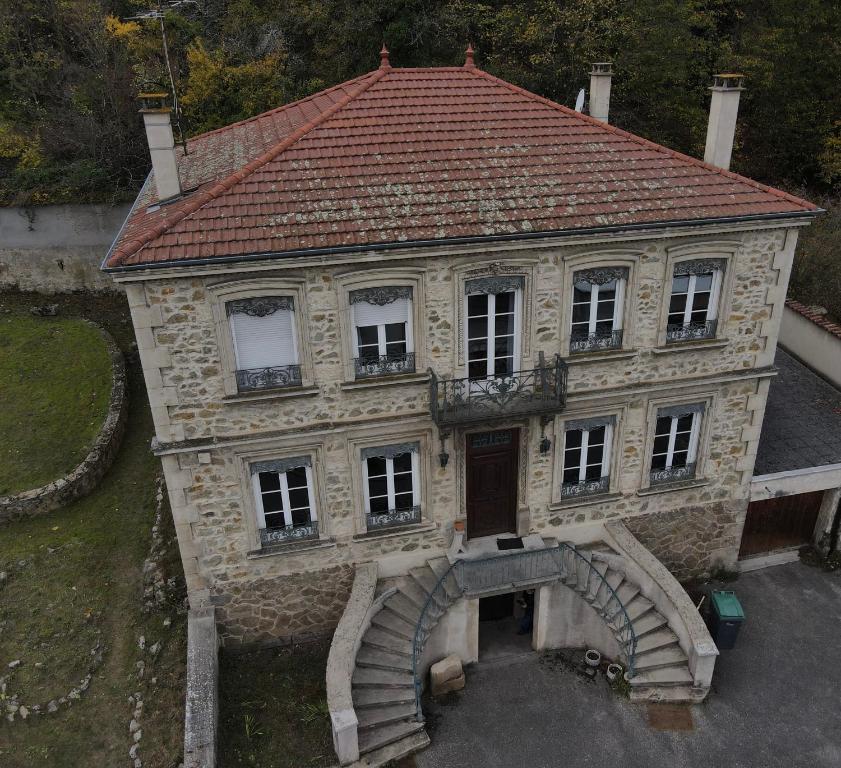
column 382, row 683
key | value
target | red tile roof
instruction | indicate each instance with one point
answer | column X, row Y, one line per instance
column 402, row 155
column 816, row 317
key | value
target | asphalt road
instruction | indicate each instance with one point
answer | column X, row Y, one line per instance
column 776, row 698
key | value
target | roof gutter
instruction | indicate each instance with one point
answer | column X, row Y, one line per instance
column 475, row 240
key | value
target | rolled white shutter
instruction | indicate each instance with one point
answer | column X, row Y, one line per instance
column 374, row 314
column 264, row 342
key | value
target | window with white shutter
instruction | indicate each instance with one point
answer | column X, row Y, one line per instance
column 264, row 341
column 391, row 485
column 283, row 494
column 693, row 304
column 675, row 452
column 598, row 298
column 587, row 455
column 382, row 329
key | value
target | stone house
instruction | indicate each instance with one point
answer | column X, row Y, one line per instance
column 426, row 312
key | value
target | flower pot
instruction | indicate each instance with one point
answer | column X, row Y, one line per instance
column 613, row 671
column 592, row 658
column 458, row 525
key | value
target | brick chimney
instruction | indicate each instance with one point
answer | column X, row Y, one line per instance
column 156, row 119
column 721, row 129
column 600, row 76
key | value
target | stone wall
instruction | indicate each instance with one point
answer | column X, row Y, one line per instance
column 207, row 435
column 58, row 248
column 86, row 475
column 201, row 710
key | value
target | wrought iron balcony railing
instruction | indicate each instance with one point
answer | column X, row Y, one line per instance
column 596, row 341
column 384, row 365
column 394, row 517
column 269, row 378
column 286, row 534
column 672, row 474
column 540, row 390
column 690, row 331
column 585, row 488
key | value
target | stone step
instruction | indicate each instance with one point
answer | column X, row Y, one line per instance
column 382, row 678
column 389, row 621
column 627, row 592
column 613, row 579
column 376, row 738
column 596, row 577
column 379, row 716
column 662, row 638
column 376, row 638
column 440, row 566
column 426, row 577
column 376, row 658
column 390, row 753
column 638, row 607
column 665, row 676
column 583, row 570
column 651, row 622
column 364, row 698
column 413, row 592
column 677, row 694
column 662, row 657
column 405, row 608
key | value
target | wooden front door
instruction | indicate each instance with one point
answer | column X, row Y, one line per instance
column 492, row 482
column 788, row 521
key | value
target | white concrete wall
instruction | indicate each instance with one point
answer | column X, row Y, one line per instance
column 58, row 248
column 816, row 347
column 457, row 632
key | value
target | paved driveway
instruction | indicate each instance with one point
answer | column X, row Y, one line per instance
column 776, row 698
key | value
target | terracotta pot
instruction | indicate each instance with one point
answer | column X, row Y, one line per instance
column 458, row 525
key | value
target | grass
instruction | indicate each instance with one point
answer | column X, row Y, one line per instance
column 75, row 575
column 55, row 384
column 274, row 711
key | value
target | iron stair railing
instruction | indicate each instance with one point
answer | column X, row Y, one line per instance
column 512, row 571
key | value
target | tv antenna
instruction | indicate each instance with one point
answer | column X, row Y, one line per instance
column 159, row 13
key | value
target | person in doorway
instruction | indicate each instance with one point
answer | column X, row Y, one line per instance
column 526, row 601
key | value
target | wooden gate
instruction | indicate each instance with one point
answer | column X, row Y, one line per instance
column 787, row 521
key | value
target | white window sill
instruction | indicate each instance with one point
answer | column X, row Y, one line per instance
column 681, row 485
column 687, row 346
column 595, row 357
column 291, row 548
column 584, row 501
column 385, row 381
column 271, row 394
column 403, row 530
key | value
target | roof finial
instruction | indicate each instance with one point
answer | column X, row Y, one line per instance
column 468, row 59
column 384, row 63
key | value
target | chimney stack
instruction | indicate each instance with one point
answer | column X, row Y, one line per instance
column 156, row 119
column 721, row 129
column 600, row 77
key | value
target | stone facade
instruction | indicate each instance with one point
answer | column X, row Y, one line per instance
column 207, row 434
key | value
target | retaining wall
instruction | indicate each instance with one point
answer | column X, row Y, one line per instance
column 85, row 477
column 201, row 711
column 58, row 248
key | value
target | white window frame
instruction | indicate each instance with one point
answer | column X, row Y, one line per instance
column 694, row 435
column 618, row 307
column 607, row 452
column 389, row 475
column 284, row 490
column 712, row 306
column 490, row 330
column 381, row 340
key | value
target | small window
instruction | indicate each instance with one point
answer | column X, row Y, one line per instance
column 382, row 320
column 587, row 454
column 391, row 486
column 693, row 305
column 674, row 454
column 265, row 346
column 284, row 498
column 598, row 297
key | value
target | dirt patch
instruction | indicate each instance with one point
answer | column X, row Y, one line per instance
column 670, row 717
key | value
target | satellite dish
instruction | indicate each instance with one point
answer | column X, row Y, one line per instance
column 579, row 102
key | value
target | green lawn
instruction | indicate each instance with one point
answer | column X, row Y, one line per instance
column 274, row 710
column 55, row 384
column 75, row 575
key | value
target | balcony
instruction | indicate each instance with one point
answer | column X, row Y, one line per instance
column 585, row 488
column 690, row 331
column 252, row 379
column 674, row 474
column 384, row 365
column 596, row 342
column 377, row 521
column 289, row 533
column 540, row 390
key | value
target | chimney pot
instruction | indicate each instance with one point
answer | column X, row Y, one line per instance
column 157, row 121
column 724, row 109
column 600, row 79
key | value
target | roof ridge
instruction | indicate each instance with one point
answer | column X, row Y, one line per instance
column 204, row 197
column 647, row 142
column 279, row 108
